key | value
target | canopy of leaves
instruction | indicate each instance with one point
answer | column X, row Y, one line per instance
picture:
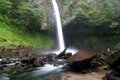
column 95, row 14
column 91, row 18
column 20, row 24
column 22, row 14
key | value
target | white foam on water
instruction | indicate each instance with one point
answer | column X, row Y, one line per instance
column 4, row 78
column 47, row 68
column 1, row 60
column 71, row 50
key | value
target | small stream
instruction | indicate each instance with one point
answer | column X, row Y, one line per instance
column 47, row 72
column 50, row 71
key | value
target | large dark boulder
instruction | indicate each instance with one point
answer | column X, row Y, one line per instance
column 114, row 60
column 79, row 56
column 80, row 61
column 84, row 61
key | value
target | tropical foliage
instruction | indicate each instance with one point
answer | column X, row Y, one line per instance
column 92, row 17
column 20, row 24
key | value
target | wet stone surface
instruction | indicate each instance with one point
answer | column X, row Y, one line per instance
column 25, row 62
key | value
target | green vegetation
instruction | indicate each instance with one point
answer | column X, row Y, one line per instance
column 15, row 37
column 92, row 17
column 95, row 11
column 20, row 25
column 118, row 45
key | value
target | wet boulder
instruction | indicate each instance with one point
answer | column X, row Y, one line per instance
column 114, row 60
column 38, row 63
column 81, row 61
column 32, row 59
column 79, row 56
column 5, row 61
column 112, row 75
column 1, row 67
column 25, row 60
column 62, row 54
column 51, row 57
column 67, row 55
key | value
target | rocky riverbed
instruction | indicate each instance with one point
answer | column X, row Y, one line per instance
column 22, row 59
column 83, row 65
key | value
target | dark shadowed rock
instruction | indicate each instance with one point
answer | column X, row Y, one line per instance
column 62, row 54
column 113, row 75
column 67, row 55
column 114, row 78
column 25, row 60
column 5, row 61
column 1, row 67
column 84, row 61
column 32, row 59
column 38, row 63
column 51, row 57
column 114, row 60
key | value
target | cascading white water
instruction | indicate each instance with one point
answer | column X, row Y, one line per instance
column 61, row 45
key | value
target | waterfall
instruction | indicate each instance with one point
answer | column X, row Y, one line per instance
column 61, row 45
